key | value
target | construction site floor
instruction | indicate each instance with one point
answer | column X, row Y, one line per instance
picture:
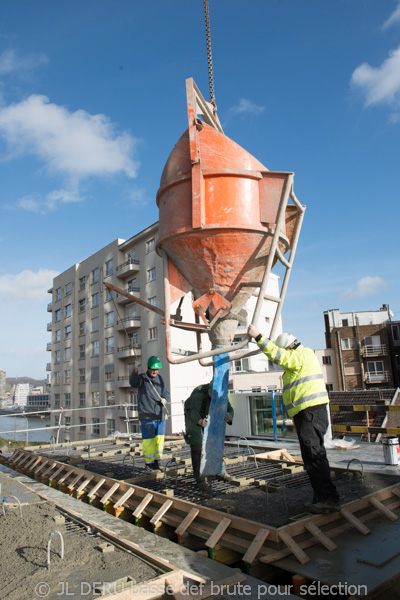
column 31, row 492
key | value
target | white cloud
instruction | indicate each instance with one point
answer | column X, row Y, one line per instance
column 138, row 197
column 77, row 145
column 380, row 85
column 50, row 202
column 11, row 63
column 245, row 107
column 393, row 19
column 26, row 285
column 366, row 286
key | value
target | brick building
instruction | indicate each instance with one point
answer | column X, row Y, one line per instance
column 360, row 341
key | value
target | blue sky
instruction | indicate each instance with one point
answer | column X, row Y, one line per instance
column 92, row 101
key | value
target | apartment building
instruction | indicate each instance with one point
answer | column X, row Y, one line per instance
column 96, row 336
column 394, row 345
column 360, row 343
column 3, row 381
column 21, row 391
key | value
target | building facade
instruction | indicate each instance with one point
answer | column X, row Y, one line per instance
column 3, row 381
column 360, row 343
column 21, row 391
column 97, row 335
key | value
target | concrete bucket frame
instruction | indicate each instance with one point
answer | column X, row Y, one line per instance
column 225, row 221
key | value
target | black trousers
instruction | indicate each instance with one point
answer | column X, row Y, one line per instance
column 311, row 426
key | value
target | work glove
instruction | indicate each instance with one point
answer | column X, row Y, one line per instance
column 204, row 423
column 138, row 363
column 228, row 418
column 163, row 402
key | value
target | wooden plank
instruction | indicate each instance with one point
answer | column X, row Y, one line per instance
column 18, row 458
column 396, row 492
column 321, row 537
column 383, row 509
column 152, row 590
column 218, row 532
column 96, row 488
column 75, row 481
column 354, row 521
column 146, row 500
column 42, row 466
column 110, row 492
column 190, row 517
column 31, row 460
column 47, row 471
column 161, row 512
column 32, row 464
column 64, row 477
column 255, row 546
column 124, row 498
column 84, row 484
column 60, row 470
column 294, row 547
column 209, row 590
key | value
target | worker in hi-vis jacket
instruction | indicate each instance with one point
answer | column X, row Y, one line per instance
column 196, row 418
column 306, row 402
column 153, row 397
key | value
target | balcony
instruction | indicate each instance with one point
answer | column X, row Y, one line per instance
column 378, row 350
column 48, row 346
column 48, row 367
column 127, row 268
column 49, row 326
column 128, row 323
column 129, row 351
column 377, row 377
column 135, row 291
column 132, row 414
column 123, row 382
column 50, row 307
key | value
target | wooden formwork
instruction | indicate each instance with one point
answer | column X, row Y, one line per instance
column 253, row 543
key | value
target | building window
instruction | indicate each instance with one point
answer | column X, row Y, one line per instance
column 82, row 352
column 237, row 366
column 153, row 300
column 82, row 328
column 375, row 370
column 95, row 324
column 110, row 344
column 132, row 285
column 67, row 376
column 57, row 377
column 95, row 348
column 82, row 283
column 109, row 267
column 110, row 398
column 68, row 289
column 57, row 335
column 82, row 399
column 131, row 256
column 326, row 360
column 95, row 299
column 95, row 275
column 67, row 400
column 67, row 354
column 67, row 310
column 395, row 333
column 110, row 375
column 345, row 322
column 349, row 343
column 67, row 332
column 150, row 245
column 109, row 295
column 153, row 333
column 57, row 356
column 96, row 426
column 109, row 319
column 110, row 426
column 82, row 375
column 58, row 293
column 57, row 315
column 133, row 399
column 56, row 400
column 82, row 305
column 95, row 398
column 329, row 387
column 82, row 423
column 151, row 274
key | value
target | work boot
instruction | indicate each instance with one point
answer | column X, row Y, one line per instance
column 324, row 507
column 223, row 476
column 203, row 485
column 156, row 466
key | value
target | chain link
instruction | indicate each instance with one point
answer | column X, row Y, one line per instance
column 209, row 56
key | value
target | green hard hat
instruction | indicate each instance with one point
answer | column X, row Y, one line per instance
column 154, row 363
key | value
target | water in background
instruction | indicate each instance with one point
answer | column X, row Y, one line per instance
column 38, row 432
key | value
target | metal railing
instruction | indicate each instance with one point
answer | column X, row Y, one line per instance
column 373, row 377
column 377, row 350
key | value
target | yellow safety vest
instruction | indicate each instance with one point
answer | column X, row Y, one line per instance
column 303, row 382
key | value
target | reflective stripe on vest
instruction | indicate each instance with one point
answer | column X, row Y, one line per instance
column 297, row 403
column 302, row 380
column 278, row 354
column 264, row 343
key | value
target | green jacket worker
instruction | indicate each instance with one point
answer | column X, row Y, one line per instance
column 306, row 401
column 153, row 397
column 196, row 418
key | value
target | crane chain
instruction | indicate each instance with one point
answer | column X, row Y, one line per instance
column 209, row 56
